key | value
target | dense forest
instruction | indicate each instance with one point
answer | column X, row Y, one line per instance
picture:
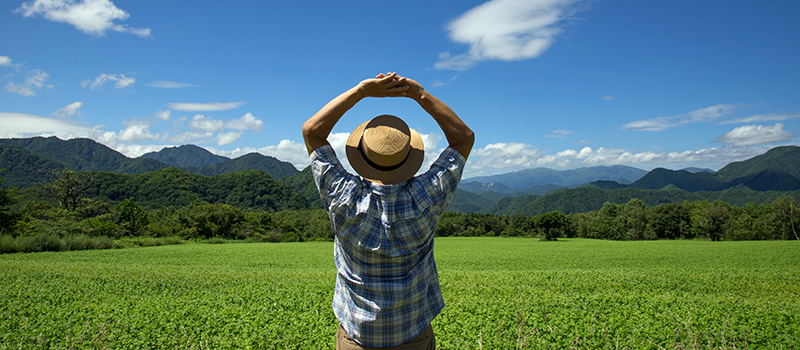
column 78, row 194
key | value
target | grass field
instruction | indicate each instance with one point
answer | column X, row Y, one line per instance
column 500, row 294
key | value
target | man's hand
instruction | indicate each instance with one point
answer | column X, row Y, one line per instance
column 383, row 86
column 414, row 90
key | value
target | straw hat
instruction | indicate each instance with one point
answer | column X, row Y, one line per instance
column 384, row 150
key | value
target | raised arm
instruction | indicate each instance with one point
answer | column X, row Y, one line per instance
column 318, row 127
column 459, row 136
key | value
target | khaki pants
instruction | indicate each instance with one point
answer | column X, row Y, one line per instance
column 424, row 341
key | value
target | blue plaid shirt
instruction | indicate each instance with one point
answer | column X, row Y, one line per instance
column 387, row 287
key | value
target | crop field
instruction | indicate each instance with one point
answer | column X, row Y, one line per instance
column 500, row 293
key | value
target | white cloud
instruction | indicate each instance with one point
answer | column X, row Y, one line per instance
column 5, row 61
column 17, row 125
column 69, row 110
column 756, row 118
column 169, row 85
column 706, row 114
column 93, row 17
column 228, row 137
column 204, row 107
column 754, row 135
column 506, row 30
column 137, row 133
column 121, row 81
column 608, row 97
column 201, row 122
column 501, row 158
column 246, row 122
column 163, row 115
column 35, row 80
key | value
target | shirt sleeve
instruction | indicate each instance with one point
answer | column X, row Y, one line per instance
column 441, row 180
column 331, row 178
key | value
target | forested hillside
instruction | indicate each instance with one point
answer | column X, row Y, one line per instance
column 186, row 156
column 172, row 187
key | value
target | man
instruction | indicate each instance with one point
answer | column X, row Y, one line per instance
column 387, row 287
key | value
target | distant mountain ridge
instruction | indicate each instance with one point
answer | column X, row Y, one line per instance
column 26, row 160
column 776, row 170
column 186, row 156
column 761, row 178
column 564, row 178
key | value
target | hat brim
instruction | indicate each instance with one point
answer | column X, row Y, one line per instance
column 416, row 154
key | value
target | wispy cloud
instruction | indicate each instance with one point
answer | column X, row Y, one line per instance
column 204, row 107
column 707, row 114
column 93, row 17
column 757, row 118
column 506, row 30
column 120, row 81
column 608, row 97
column 169, row 85
column 69, row 110
column 754, row 135
column 560, row 134
column 5, row 61
column 34, row 81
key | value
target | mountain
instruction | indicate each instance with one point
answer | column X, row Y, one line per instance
column 26, row 160
column 186, row 156
column 255, row 161
column 527, row 178
column 23, row 168
column 83, row 155
column 468, row 202
column 303, row 183
column 659, row 178
column 776, row 170
column 756, row 180
column 698, row 170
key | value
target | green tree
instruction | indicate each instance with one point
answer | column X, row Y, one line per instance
column 132, row 218
column 67, row 187
column 551, row 224
column 711, row 220
column 633, row 220
column 7, row 218
column 203, row 220
column 787, row 208
column 670, row 221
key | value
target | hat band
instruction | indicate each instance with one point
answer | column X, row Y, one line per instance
column 380, row 167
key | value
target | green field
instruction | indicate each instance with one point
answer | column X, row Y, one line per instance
column 500, row 293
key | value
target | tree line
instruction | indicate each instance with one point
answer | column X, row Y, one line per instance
column 71, row 220
column 717, row 220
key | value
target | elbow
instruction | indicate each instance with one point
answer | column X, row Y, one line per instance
column 469, row 137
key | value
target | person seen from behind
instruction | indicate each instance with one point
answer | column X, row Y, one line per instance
column 387, row 287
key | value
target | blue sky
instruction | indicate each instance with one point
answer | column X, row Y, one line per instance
column 544, row 83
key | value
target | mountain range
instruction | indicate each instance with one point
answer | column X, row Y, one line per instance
column 530, row 191
column 26, row 160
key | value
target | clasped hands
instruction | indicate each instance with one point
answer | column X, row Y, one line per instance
column 390, row 85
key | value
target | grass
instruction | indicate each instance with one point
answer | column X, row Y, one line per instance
column 500, row 294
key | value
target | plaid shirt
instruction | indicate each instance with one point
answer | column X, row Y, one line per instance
column 387, row 287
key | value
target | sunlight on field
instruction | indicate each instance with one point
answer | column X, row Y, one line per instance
column 500, row 293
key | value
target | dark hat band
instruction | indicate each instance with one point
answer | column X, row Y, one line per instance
column 380, row 167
